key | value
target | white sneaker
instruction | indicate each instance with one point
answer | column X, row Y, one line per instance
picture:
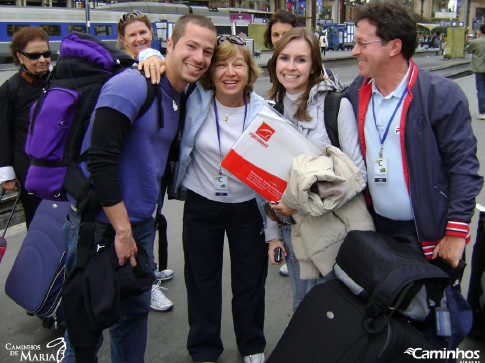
column 159, row 301
column 284, row 270
column 254, row 358
column 481, row 116
column 164, row 275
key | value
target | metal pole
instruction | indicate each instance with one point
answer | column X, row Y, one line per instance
column 88, row 22
column 466, row 14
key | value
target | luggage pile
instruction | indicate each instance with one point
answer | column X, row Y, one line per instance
column 381, row 308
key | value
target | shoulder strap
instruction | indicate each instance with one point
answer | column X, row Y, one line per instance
column 279, row 107
column 183, row 103
column 331, row 109
column 153, row 90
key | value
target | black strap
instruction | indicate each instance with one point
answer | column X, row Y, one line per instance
column 13, row 208
column 173, row 154
column 183, row 104
column 153, row 90
column 331, row 110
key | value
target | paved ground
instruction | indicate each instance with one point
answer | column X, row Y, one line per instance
column 168, row 331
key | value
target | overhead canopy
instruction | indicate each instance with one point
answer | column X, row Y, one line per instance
column 430, row 26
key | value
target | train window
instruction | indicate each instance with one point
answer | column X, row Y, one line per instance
column 103, row 30
column 12, row 28
column 76, row 28
column 51, row 29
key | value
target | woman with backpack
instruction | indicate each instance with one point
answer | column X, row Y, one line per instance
column 30, row 50
column 299, row 89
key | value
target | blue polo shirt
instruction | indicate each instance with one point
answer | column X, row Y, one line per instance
column 143, row 158
column 391, row 199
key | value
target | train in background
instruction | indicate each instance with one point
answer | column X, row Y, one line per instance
column 339, row 36
column 58, row 22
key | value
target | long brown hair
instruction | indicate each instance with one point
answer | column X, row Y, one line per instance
column 277, row 91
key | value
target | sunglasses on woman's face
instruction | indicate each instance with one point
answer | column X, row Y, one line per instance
column 234, row 39
column 132, row 14
column 35, row 56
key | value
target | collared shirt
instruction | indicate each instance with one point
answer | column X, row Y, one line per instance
column 391, row 199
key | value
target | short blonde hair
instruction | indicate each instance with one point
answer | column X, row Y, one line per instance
column 226, row 50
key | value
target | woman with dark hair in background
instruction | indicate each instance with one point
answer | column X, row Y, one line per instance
column 30, row 49
column 279, row 23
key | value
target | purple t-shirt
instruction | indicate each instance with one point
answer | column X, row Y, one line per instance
column 144, row 154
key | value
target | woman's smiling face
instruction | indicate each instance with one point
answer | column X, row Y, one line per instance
column 136, row 38
column 294, row 66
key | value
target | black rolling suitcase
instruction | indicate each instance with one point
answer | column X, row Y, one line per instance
column 330, row 325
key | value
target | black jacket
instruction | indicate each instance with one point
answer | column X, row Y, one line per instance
column 17, row 95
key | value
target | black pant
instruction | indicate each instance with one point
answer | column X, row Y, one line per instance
column 161, row 227
column 205, row 223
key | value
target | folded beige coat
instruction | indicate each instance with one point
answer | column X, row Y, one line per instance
column 327, row 192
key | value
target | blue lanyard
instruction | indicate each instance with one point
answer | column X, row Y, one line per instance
column 390, row 120
column 219, row 129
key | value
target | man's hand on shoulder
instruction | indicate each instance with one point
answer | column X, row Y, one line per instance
column 152, row 63
column 450, row 249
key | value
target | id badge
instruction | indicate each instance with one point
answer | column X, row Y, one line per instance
column 380, row 171
column 220, row 184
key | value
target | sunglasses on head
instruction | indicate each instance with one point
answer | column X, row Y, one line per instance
column 274, row 217
column 234, row 39
column 132, row 14
column 35, row 56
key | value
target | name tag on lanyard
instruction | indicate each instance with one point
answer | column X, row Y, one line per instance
column 380, row 171
column 220, row 185
column 380, row 164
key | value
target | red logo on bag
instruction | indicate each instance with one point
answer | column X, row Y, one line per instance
column 265, row 132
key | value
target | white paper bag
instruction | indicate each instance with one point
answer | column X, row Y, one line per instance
column 262, row 156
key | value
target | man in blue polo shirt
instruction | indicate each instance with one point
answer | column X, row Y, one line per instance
column 127, row 158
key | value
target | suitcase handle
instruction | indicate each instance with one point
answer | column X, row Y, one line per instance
column 13, row 208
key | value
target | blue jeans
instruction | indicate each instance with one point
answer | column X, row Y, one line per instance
column 299, row 287
column 480, row 83
column 129, row 334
